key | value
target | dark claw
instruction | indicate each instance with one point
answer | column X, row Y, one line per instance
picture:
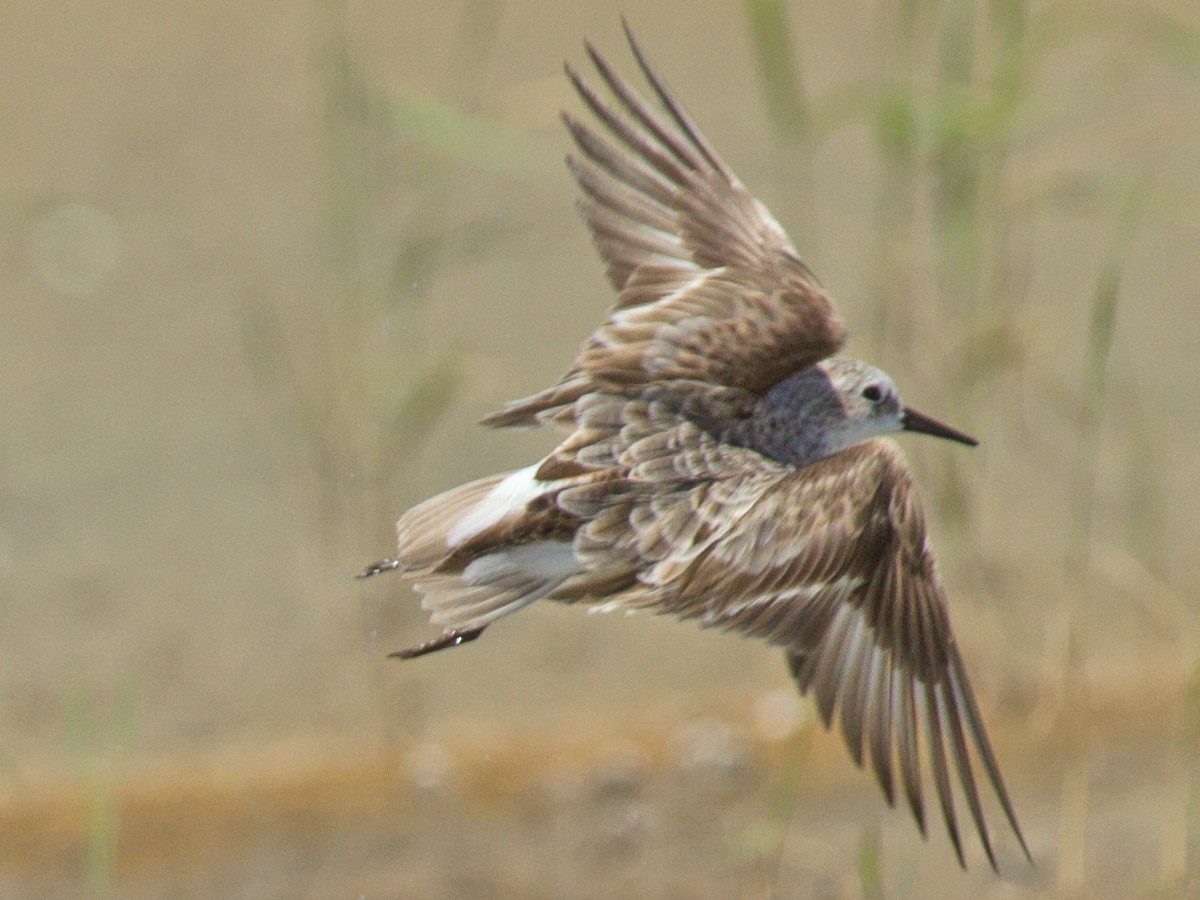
column 384, row 565
column 441, row 642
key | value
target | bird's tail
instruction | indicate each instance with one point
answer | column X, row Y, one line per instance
column 461, row 553
column 422, row 534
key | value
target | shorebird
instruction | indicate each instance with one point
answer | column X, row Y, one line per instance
column 721, row 464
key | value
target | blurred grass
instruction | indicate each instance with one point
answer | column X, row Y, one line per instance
column 364, row 387
column 870, row 863
column 1073, row 693
column 782, row 84
column 98, row 743
column 1095, row 376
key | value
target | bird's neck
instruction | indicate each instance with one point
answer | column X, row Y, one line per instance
column 794, row 421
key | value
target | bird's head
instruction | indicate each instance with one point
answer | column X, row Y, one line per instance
column 847, row 401
column 870, row 406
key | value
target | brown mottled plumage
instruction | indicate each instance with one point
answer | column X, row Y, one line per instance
column 721, row 465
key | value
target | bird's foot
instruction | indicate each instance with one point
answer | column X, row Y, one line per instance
column 451, row 638
column 384, row 565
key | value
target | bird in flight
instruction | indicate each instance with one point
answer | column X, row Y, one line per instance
column 721, row 464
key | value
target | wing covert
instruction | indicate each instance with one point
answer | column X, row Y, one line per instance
column 832, row 563
column 709, row 286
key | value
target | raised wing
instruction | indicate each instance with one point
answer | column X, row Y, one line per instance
column 830, row 562
column 710, row 288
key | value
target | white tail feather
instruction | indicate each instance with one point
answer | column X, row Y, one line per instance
column 431, row 530
column 508, row 497
column 500, row 580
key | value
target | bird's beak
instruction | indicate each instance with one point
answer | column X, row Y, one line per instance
column 918, row 421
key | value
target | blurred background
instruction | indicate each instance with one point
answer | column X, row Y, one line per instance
column 265, row 264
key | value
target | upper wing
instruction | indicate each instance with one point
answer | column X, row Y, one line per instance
column 832, row 563
column 710, row 288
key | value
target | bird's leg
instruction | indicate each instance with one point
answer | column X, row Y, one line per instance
column 384, row 565
column 452, row 638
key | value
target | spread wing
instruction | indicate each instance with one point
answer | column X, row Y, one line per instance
column 830, row 562
column 709, row 286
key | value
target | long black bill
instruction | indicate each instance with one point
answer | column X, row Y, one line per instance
column 918, row 421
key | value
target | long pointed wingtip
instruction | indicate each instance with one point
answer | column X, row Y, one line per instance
column 636, row 47
column 640, row 55
column 1025, row 849
column 628, row 29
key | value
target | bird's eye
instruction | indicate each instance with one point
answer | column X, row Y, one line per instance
column 873, row 393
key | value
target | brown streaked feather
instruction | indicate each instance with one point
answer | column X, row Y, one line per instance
column 710, row 287
column 832, row 563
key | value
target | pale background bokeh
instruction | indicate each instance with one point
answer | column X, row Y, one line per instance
column 236, row 234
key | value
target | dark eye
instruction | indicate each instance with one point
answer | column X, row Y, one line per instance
column 873, row 393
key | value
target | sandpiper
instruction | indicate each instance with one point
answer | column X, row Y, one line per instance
column 721, row 464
